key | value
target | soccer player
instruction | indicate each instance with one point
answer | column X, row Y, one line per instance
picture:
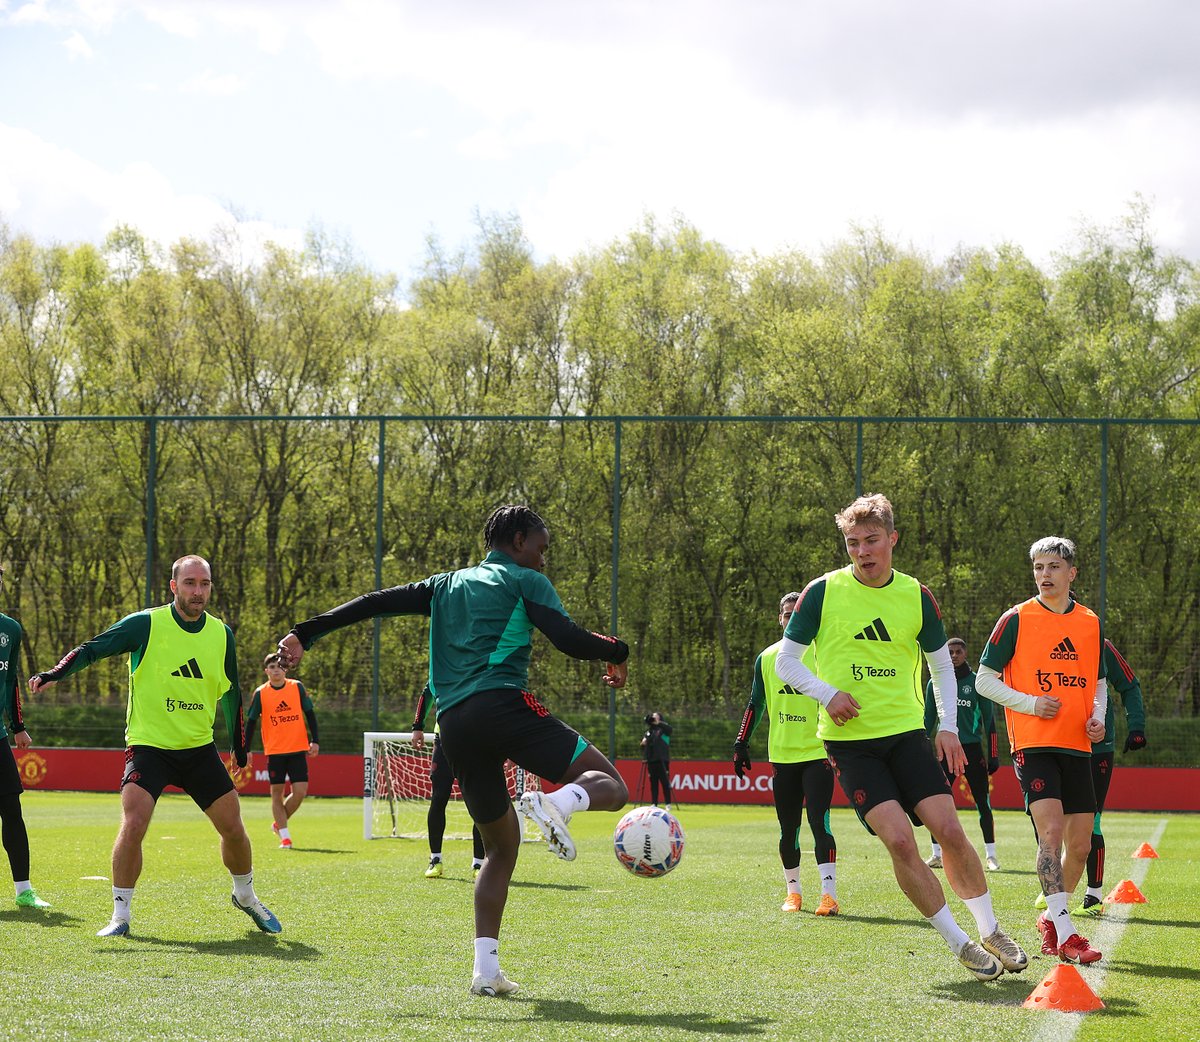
column 1052, row 645
column 441, row 777
column 1122, row 678
column 182, row 662
column 868, row 625
column 12, row 824
column 481, row 621
column 976, row 725
column 285, row 739
column 803, row 774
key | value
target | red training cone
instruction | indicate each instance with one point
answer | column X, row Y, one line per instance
column 1126, row 893
column 1064, row 990
column 1145, row 850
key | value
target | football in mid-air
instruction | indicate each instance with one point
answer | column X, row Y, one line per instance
column 648, row 841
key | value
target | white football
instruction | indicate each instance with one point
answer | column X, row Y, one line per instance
column 648, row 841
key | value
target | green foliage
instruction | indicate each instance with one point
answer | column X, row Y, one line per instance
column 718, row 517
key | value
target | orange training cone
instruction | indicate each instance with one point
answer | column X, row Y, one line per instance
column 1145, row 850
column 1064, row 990
column 1126, row 893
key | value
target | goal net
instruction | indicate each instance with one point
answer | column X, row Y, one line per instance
column 397, row 790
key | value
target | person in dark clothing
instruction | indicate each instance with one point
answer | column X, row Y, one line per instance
column 656, row 748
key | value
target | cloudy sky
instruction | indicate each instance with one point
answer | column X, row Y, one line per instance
column 768, row 124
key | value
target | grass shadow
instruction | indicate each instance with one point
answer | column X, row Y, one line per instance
column 1142, row 920
column 1010, row 990
column 530, row 885
column 44, row 917
column 1146, row 969
column 565, row 1011
column 255, row 943
column 299, row 851
column 882, row 920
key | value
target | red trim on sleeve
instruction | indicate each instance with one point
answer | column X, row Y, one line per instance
column 932, row 600
column 1129, row 674
column 998, row 630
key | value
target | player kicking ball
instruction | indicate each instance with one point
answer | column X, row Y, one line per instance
column 481, row 622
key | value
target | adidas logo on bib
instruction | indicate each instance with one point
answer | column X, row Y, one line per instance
column 1064, row 650
column 190, row 669
column 875, row 631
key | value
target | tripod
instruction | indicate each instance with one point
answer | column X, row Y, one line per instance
column 642, row 786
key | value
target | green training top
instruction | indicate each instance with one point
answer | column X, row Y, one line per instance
column 10, row 675
column 178, row 671
column 976, row 720
column 868, row 642
column 791, row 714
column 481, row 621
column 1122, row 678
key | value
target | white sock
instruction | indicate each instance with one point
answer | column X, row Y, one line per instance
column 122, row 902
column 284, row 834
column 981, row 908
column 791, row 876
column 828, row 879
column 935, row 849
column 21, row 885
column 1056, row 912
column 1093, row 891
column 243, row 888
column 951, row 932
column 434, row 858
column 476, row 863
column 989, row 849
column 570, row 798
column 487, row 957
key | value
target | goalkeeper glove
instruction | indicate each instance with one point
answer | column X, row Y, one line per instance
column 993, row 764
column 741, row 759
column 1134, row 741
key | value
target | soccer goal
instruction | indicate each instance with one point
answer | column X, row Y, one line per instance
column 397, row 789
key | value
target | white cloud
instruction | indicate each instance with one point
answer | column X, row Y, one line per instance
column 35, row 13
column 223, row 85
column 56, row 195
column 77, row 46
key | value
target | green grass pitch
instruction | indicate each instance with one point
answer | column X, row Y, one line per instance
column 372, row 950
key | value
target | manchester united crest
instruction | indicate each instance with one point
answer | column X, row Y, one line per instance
column 32, row 769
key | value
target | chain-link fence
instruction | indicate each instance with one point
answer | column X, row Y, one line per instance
column 678, row 533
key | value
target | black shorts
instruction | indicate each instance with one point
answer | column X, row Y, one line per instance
column 10, row 777
column 284, row 766
column 441, row 774
column 1051, row 774
column 1102, row 768
column 482, row 732
column 199, row 772
column 796, row 783
column 902, row 767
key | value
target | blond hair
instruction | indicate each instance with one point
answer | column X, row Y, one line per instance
column 874, row 509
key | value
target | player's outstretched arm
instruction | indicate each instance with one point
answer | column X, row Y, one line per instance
column 411, row 599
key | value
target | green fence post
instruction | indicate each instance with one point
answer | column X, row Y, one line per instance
column 858, row 453
column 1103, row 592
column 151, row 507
column 616, row 558
column 377, row 627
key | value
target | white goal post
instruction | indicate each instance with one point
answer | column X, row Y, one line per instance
column 397, row 790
